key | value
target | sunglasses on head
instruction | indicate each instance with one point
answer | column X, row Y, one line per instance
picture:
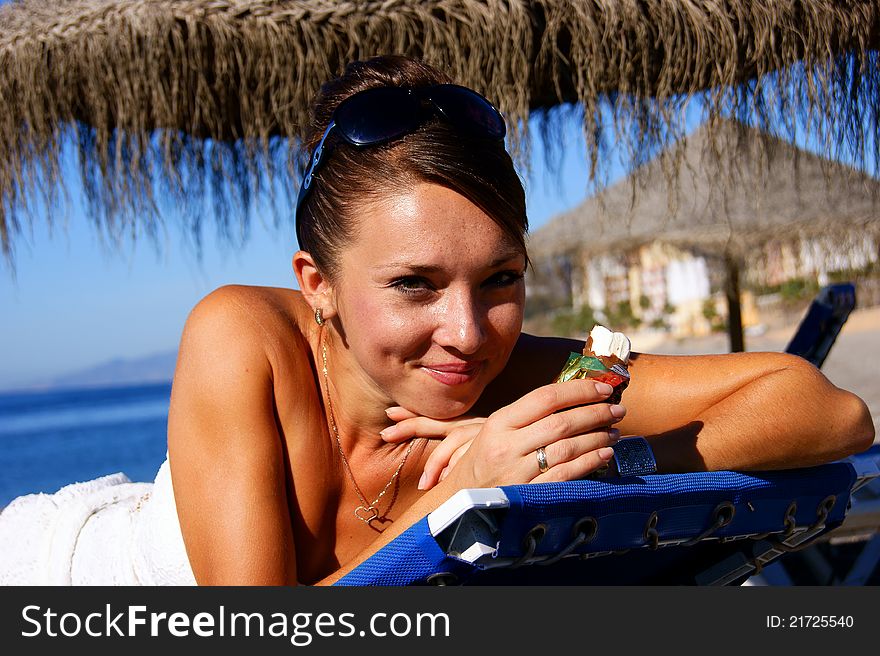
column 379, row 115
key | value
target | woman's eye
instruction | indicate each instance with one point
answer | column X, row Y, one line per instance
column 411, row 285
column 504, row 279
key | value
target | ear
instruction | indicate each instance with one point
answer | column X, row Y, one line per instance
column 313, row 284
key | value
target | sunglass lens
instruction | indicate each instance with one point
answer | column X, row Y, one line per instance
column 469, row 110
column 377, row 115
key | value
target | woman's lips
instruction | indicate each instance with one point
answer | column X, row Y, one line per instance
column 453, row 373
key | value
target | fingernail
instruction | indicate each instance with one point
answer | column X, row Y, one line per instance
column 389, row 411
column 614, row 434
column 606, row 452
column 422, row 480
column 618, row 411
column 604, row 389
column 385, row 433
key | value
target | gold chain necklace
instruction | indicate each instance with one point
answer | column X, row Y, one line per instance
column 366, row 512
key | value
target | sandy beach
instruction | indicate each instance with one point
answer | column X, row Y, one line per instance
column 852, row 363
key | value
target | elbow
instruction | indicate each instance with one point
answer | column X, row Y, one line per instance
column 857, row 428
column 849, row 428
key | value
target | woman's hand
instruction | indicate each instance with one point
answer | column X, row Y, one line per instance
column 568, row 419
column 456, row 435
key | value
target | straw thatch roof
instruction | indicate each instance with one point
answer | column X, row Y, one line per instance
column 181, row 99
column 774, row 190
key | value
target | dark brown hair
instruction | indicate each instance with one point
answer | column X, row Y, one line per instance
column 479, row 169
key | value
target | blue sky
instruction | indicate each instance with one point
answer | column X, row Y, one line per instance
column 75, row 302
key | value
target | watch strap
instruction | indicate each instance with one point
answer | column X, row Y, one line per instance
column 634, row 457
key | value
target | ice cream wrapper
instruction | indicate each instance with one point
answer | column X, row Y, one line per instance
column 589, row 366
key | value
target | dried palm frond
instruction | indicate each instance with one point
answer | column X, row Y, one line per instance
column 197, row 100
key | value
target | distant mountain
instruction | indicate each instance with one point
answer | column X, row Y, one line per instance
column 156, row 368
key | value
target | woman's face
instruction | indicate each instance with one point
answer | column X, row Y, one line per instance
column 430, row 299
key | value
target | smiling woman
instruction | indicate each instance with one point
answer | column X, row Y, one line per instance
column 309, row 428
column 321, row 421
column 431, row 327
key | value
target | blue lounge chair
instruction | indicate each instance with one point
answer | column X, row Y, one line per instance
column 822, row 322
column 708, row 528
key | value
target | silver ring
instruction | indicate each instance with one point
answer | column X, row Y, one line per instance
column 542, row 459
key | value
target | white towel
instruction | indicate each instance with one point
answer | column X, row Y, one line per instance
column 108, row 531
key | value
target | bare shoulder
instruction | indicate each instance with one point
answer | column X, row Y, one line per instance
column 239, row 346
column 535, row 361
column 270, row 309
column 266, row 323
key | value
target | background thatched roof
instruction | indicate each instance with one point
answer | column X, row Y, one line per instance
column 771, row 190
column 180, row 99
column 774, row 189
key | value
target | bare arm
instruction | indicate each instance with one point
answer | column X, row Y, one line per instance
column 225, row 452
column 743, row 411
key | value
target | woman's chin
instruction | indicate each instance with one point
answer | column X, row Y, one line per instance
column 429, row 397
column 442, row 408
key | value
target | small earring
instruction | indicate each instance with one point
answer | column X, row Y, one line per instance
column 319, row 316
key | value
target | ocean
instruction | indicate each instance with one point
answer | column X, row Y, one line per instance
column 51, row 438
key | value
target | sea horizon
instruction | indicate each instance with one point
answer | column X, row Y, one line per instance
column 53, row 437
column 40, row 388
column 152, row 368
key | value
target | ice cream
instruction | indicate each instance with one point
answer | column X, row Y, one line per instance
column 605, row 358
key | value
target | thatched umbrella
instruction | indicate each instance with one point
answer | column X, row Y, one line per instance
column 184, row 99
column 774, row 192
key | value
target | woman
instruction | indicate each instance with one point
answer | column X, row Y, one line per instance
column 307, row 429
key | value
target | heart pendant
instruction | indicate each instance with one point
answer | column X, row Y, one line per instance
column 366, row 515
